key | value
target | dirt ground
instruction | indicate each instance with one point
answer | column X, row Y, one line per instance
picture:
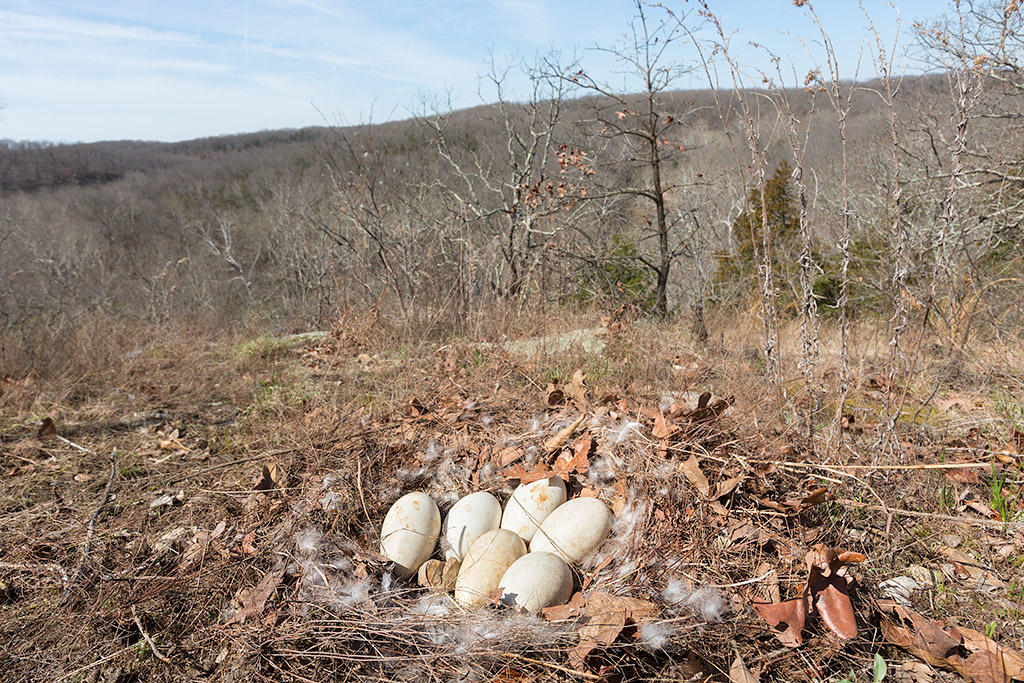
column 210, row 510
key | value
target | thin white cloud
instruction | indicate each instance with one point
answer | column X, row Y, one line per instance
column 52, row 28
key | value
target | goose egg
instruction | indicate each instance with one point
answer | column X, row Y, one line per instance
column 409, row 532
column 574, row 529
column 468, row 520
column 536, row 581
column 530, row 504
column 486, row 562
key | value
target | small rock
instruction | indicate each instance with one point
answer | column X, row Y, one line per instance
column 922, row 575
column 900, row 588
column 167, row 500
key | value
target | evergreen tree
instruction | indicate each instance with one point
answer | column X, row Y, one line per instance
column 740, row 269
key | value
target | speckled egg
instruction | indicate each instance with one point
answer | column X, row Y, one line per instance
column 530, row 504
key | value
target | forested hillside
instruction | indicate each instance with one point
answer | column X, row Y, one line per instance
column 505, row 202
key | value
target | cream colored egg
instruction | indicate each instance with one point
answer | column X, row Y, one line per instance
column 536, row 581
column 486, row 562
column 469, row 519
column 530, row 504
column 574, row 529
column 409, row 532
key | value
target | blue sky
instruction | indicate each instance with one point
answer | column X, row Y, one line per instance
column 140, row 69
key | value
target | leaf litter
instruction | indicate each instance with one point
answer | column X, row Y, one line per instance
column 722, row 544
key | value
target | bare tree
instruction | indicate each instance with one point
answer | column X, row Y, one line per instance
column 219, row 238
column 513, row 194
column 648, row 131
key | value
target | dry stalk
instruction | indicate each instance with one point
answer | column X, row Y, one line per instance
column 87, row 546
column 887, row 441
column 768, row 312
column 148, row 639
column 842, row 109
column 934, row 515
column 808, row 304
column 966, row 89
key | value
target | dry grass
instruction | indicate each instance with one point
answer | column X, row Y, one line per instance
column 159, row 585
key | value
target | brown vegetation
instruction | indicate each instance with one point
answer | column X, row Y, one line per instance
column 191, row 492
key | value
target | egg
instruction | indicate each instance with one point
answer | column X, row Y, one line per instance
column 409, row 532
column 530, row 504
column 574, row 529
column 469, row 519
column 486, row 562
column 536, row 581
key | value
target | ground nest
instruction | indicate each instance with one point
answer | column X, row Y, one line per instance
column 224, row 539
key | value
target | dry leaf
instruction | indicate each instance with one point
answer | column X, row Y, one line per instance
column 47, row 430
column 830, row 591
column 984, row 666
column 836, row 610
column 724, row 488
column 703, row 400
column 572, row 609
column 576, row 460
column 555, row 396
column 792, row 506
column 1012, row 661
column 637, row 610
column 251, row 601
column 415, row 408
column 983, row 579
column 576, row 389
column 943, row 646
column 508, row 455
column 787, row 618
column 962, row 475
column 517, row 472
column 272, row 477
column 609, row 614
column 924, row 638
column 691, row 468
column 815, row 497
column 663, row 429
column 249, row 543
column 739, row 673
column 431, row 574
column 171, row 443
column 705, row 412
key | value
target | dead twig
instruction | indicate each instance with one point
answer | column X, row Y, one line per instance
column 229, row 464
column 359, row 487
column 87, row 547
column 551, row 665
column 933, row 515
column 92, row 665
column 75, row 445
column 149, row 641
column 880, row 468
